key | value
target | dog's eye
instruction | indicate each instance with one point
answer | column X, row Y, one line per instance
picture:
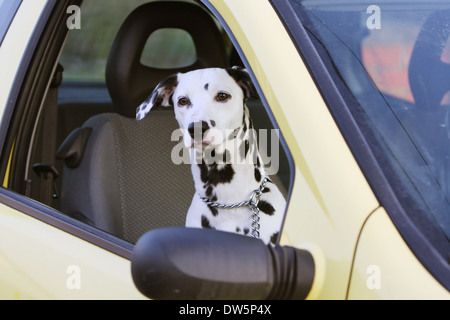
column 183, row 101
column 223, row 96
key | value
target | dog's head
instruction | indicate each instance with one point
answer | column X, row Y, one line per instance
column 208, row 103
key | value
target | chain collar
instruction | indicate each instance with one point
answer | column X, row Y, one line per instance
column 252, row 203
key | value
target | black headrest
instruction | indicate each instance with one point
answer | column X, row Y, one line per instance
column 129, row 81
column 429, row 76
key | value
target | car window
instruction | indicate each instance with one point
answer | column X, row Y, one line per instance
column 84, row 61
column 99, row 22
column 393, row 58
column 80, row 150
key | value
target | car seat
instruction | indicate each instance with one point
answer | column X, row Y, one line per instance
column 118, row 174
column 429, row 78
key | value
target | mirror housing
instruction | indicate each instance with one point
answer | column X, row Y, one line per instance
column 190, row 263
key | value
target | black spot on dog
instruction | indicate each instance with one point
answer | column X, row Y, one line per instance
column 205, row 223
column 234, row 134
column 266, row 207
column 213, row 123
column 206, row 86
column 209, row 191
column 214, row 211
column 170, row 82
column 203, row 172
column 165, row 90
column 266, row 190
column 211, row 198
column 274, row 238
column 226, row 157
column 242, row 135
column 238, row 229
column 171, row 104
column 224, row 175
column 242, row 78
column 244, row 127
column 213, row 176
column 246, row 146
column 246, row 231
column 257, row 175
column 158, row 101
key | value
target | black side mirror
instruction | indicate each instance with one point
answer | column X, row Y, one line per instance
column 183, row 263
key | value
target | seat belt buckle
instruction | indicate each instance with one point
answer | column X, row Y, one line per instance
column 46, row 171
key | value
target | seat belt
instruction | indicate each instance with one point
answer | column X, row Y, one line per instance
column 46, row 169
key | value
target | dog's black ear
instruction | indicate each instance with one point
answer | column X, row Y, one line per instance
column 160, row 97
column 242, row 78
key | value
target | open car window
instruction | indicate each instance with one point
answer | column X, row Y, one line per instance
column 79, row 150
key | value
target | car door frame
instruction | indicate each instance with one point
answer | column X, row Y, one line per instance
column 39, row 60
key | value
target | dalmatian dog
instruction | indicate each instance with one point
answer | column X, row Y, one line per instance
column 233, row 192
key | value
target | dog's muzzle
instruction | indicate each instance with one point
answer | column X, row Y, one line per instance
column 198, row 133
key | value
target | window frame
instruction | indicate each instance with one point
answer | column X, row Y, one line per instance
column 36, row 59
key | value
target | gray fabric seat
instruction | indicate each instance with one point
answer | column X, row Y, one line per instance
column 125, row 182
column 125, row 185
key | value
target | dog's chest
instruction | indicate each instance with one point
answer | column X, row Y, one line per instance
column 206, row 210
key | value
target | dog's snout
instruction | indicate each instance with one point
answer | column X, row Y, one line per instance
column 196, row 127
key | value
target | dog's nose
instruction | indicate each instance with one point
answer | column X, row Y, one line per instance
column 195, row 127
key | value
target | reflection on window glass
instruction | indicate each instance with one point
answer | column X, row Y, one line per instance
column 398, row 70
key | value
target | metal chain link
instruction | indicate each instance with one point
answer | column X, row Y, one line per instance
column 252, row 203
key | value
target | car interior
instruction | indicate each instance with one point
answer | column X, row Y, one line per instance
column 89, row 157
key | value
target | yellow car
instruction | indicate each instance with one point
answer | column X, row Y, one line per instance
column 354, row 111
